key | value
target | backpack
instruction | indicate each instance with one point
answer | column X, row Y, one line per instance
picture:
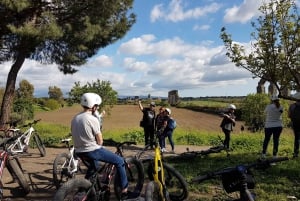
column 296, row 114
column 171, row 124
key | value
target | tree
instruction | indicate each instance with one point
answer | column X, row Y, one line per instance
column 55, row 93
column 23, row 102
column 275, row 53
column 25, row 90
column 103, row 88
column 63, row 32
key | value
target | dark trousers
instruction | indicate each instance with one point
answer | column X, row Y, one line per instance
column 162, row 139
column 227, row 137
column 149, row 135
column 296, row 141
column 275, row 131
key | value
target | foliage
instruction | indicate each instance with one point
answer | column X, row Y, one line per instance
column 25, row 90
column 52, row 104
column 103, row 88
column 23, row 104
column 274, row 55
column 24, row 108
column 64, row 32
column 253, row 108
column 55, row 93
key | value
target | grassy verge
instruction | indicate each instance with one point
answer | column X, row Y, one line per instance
column 275, row 183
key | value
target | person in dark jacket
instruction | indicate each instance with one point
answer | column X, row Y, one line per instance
column 228, row 123
column 148, row 123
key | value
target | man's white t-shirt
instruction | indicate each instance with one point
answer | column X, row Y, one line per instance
column 84, row 127
column 273, row 116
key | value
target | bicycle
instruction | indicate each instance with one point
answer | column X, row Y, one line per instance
column 97, row 187
column 13, row 165
column 166, row 183
column 239, row 178
column 65, row 165
column 21, row 144
column 214, row 149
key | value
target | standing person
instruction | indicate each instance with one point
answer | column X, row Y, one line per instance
column 227, row 124
column 273, row 125
column 87, row 138
column 159, row 125
column 148, row 123
column 294, row 115
column 168, row 131
column 100, row 117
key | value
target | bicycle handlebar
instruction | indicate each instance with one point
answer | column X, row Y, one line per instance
column 263, row 164
column 31, row 123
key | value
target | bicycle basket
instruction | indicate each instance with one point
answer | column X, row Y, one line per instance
column 231, row 181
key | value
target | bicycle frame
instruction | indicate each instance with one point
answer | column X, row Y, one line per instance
column 22, row 142
column 3, row 158
column 158, row 174
column 72, row 167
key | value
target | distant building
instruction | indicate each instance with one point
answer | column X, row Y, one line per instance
column 173, row 97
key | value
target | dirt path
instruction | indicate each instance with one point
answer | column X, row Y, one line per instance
column 38, row 171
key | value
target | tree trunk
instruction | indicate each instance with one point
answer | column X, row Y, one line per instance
column 8, row 96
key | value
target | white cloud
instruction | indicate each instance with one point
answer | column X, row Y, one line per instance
column 201, row 27
column 244, row 12
column 176, row 13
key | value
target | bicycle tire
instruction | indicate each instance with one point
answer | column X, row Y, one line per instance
column 152, row 192
column 175, row 183
column 135, row 176
column 75, row 189
column 17, row 173
column 39, row 143
column 61, row 172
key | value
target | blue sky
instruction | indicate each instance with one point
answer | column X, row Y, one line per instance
column 174, row 44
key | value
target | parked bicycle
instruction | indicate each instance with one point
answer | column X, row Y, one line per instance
column 239, row 178
column 214, row 149
column 166, row 183
column 21, row 144
column 98, row 186
column 65, row 165
column 11, row 162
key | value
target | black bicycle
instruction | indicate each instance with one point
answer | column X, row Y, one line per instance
column 97, row 187
column 239, row 178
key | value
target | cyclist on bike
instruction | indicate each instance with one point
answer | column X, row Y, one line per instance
column 88, row 140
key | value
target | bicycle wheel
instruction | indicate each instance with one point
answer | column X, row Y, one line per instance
column 135, row 176
column 17, row 173
column 61, row 169
column 75, row 189
column 152, row 192
column 39, row 143
column 175, row 183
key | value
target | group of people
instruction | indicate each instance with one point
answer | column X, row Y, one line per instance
column 87, row 136
column 157, row 126
column 273, row 124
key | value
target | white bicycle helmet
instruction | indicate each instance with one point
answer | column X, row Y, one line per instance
column 231, row 106
column 168, row 110
column 90, row 99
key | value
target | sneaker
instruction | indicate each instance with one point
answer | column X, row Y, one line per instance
column 129, row 195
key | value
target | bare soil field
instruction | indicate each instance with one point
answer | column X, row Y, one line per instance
column 129, row 116
column 38, row 169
